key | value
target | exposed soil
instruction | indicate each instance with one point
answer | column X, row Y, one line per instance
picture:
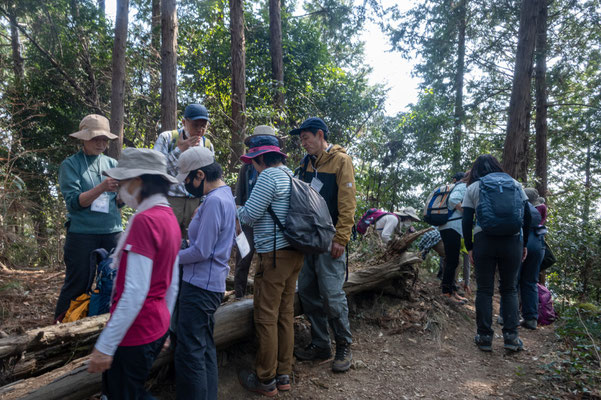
column 403, row 349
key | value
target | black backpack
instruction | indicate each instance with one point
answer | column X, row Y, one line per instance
column 309, row 225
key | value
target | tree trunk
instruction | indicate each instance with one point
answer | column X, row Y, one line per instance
column 515, row 151
column 275, row 50
column 18, row 65
column 541, row 99
column 238, row 53
column 118, row 78
column 153, row 68
column 168, row 65
column 459, row 75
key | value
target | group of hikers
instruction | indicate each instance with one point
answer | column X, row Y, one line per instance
column 172, row 259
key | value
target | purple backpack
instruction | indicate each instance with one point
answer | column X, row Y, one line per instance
column 546, row 313
column 370, row 217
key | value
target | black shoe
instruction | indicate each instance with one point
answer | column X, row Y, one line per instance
column 312, row 352
column 283, row 382
column 529, row 324
column 343, row 358
column 484, row 342
column 513, row 344
column 250, row 381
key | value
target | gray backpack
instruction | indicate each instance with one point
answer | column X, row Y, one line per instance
column 309, row 225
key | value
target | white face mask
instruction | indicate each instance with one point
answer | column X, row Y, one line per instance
column 129, row 199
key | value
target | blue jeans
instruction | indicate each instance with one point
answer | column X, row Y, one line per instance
column 195, row 352
column 529, row 277
column 322, row 298
column 490, row 252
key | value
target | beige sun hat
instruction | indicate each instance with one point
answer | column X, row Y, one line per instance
column 136, row 162
column 408, row 212
column 262, row 130
column 92, row 126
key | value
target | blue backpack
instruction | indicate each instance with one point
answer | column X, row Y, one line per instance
column 101, row 268
column 500, row 210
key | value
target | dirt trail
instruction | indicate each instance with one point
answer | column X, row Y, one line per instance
column 397, row 358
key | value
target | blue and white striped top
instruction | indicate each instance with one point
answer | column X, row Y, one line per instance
column 272, row 187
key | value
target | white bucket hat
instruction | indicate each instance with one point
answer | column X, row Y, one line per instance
column 192, row 159
column 136, row 162
column 92, row 126
column 262, row 130
column 408, row 212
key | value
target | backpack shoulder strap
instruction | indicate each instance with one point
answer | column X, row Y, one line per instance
column 174, row 138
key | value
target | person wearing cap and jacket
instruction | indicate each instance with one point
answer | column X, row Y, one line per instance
column 145, row 289
column 205, row 267
column 263, row 135
column 93, row 216
column 330, row 171
column 172, row 144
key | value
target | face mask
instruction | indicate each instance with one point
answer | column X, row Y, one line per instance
column 130, row 199
column 195, row 191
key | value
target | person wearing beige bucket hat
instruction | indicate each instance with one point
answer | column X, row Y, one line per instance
column 146, row 287
column 93, row 217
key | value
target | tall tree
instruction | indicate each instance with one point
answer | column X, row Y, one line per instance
column 118, row 78
column 18, row 65
column 459, row 76
column 238, row 96
column 540, row 77
column 168, row 64
column 155, row 59
column 275, row 50
column 515, row 151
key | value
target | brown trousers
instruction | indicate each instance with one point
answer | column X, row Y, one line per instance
column 183, row 208
column 274, row 312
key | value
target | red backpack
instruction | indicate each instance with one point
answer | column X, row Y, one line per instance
column 370, row 217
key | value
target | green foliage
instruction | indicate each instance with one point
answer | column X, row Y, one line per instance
column 580, row 330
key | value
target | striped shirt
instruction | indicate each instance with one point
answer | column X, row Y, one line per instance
column 272, row 187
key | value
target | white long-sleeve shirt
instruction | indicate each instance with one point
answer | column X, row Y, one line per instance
column 137, row 284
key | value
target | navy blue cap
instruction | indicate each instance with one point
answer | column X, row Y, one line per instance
column 265, row 140
column 196, row 111
column 309, row 124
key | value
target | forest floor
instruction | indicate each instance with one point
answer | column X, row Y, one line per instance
column 421, row 348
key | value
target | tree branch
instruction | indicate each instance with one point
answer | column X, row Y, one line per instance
column 572, row 104
column 54, row 63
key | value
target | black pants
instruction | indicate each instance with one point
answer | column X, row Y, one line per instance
column 78, row 247
column 504, row 252
column 243, row 264
column 452, row 246
column 129, row 370
column 196, row 374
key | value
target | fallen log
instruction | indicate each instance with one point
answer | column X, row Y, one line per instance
column 232, row 322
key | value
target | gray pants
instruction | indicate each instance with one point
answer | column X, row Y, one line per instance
column 323, row 300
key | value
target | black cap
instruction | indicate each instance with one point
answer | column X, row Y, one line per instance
column 196, row 111
column 309, row 124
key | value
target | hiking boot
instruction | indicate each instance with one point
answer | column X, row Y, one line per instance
column 484, row 342
column 529, row 324
column 312, row 352
column 513, row 344
column 343, row 358
column 283, row 382
column 250, row 381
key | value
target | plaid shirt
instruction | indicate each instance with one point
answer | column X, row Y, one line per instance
column 172, row 152
column 428, row 240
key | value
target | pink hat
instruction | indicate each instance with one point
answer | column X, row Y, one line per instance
column 257, row 151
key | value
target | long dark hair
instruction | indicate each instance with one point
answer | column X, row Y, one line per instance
column 484, row 165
